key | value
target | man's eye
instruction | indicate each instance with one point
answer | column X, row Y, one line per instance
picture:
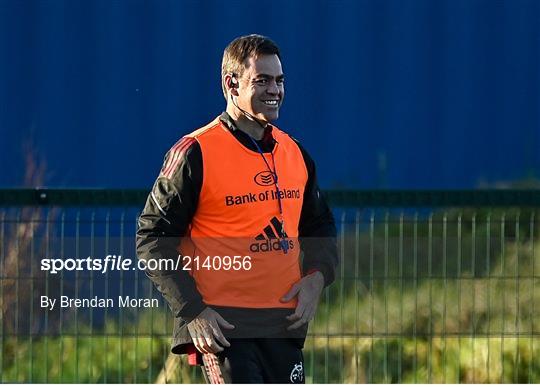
column 261, row 81
column 280, row 82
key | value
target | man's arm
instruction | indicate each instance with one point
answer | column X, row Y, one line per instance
column 165, row 219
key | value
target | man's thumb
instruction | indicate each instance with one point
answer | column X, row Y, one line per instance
column 290, row 295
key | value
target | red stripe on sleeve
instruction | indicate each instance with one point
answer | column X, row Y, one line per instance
column 175, row 155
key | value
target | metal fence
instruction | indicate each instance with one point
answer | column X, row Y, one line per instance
column 433, row 286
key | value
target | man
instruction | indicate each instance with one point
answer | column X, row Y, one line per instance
column 245, row 195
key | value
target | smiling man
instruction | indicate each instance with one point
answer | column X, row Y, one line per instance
column 242, row 196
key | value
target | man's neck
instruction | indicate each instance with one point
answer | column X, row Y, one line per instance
column 244, row 124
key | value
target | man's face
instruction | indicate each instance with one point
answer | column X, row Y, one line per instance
column 261, row 90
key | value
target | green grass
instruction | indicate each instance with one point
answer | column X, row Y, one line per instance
column 106, row 356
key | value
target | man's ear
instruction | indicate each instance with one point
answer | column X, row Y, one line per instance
column 231, row 83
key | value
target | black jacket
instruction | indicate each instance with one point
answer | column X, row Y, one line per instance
column 166, row 217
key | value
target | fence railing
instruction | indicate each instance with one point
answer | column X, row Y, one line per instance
column 433, row 286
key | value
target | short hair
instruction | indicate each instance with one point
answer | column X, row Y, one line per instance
column 242, row 48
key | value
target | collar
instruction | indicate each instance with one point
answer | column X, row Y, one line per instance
column 231, row 125
column 266, row 143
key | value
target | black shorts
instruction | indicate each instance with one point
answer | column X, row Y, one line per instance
column 258, row 361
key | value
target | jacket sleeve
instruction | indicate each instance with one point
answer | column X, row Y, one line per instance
column 317, row 229
column 165, row 219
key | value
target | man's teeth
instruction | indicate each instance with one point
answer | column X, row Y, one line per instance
column 271, row 103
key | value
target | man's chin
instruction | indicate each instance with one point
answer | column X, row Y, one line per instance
column 268, row 117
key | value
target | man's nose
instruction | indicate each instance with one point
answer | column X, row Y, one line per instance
column 272, row 88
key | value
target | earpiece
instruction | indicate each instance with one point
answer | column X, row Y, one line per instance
column 232, row 81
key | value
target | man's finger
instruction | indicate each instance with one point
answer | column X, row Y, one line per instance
column 220, row 337
column 204, row 345
column 206, row 337
column 309, row 315
column 211, row 344
column 224, row 323
column 298, row 313
column 290, row 295
column 297, row 324
column 199, row 344
column 306, row 317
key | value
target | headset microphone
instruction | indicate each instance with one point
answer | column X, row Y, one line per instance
column 249, row 116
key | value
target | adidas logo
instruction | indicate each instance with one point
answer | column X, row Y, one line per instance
column 269, row 238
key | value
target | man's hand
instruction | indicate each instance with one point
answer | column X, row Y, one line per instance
column 309, row 291
column 205, row 332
